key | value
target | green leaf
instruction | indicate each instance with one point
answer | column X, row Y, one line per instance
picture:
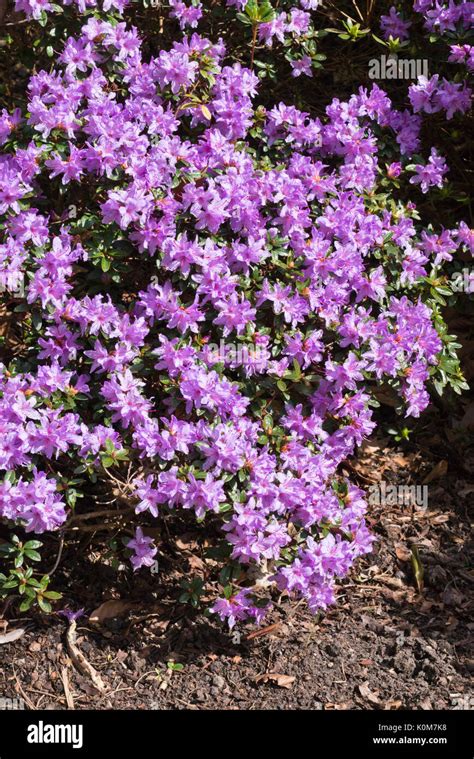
column 109, row 446
column 9, row 584
column 44, row 605
column 52, row 595
column 26, row 604
column 243, row 18
column 32, row 544
column 33, row 555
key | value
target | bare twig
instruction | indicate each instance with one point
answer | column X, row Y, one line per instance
column 20, row 690
column 80, row 661
column 254, row 43
column 100, row 513
column 58, row 558
column 67, row 689
column 104, row 526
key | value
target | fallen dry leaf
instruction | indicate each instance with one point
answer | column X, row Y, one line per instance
column 402, row 553
column 186, row 546
column 12, row 635
column 438, row 471
column 391, row 705
column 283, row 681
column 427, row 606
column 401, row 461
column 195, row 562
column 264, row 631
column 368, row 694
column 440, row 519
column 109, row 610
column 374, row 445
column 399, row 596
column 452, row 622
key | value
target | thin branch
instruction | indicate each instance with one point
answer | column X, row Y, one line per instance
column 100, row 513
column 58, row 558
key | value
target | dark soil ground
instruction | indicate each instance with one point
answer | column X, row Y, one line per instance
column 390, row 643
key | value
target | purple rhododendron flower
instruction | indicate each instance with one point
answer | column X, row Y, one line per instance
column 432, row 173
column 394, row 26
column 144, row 550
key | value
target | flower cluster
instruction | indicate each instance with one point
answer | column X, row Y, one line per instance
column 448, row 21
column 35, row 8
column 153, row 209
column 393, row 25
column 440, row 17
column 430, row 95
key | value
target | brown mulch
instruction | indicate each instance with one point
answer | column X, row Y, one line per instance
column 390, row 643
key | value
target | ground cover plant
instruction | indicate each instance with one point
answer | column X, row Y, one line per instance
column 207, row 286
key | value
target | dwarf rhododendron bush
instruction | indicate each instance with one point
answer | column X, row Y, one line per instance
column 209, row 294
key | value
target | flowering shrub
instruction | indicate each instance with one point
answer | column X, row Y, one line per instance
column 153, row 210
